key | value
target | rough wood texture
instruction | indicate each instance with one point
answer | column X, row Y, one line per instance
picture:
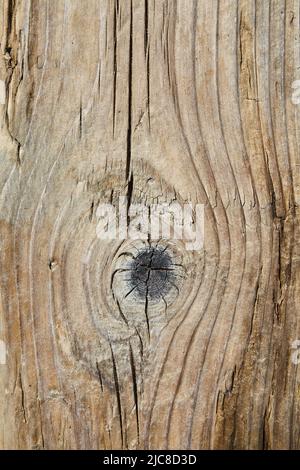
column 159, row 100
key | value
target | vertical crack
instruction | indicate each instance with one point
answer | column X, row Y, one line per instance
column 135, row 389
column 115, row 71
column 129, row 130
column 129, row 195
column 22, row 398
column 80, row 119
column 118, row 394
column 147, row 55
column 99, row 375
column 146, row 27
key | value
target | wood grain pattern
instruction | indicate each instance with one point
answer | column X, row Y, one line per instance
column 186, row 100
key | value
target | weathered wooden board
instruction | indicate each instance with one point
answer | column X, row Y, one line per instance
column 159, row 100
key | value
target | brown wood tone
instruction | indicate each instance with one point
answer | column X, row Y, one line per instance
column 159, row 101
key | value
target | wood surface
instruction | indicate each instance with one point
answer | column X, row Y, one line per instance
column 159, row 100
